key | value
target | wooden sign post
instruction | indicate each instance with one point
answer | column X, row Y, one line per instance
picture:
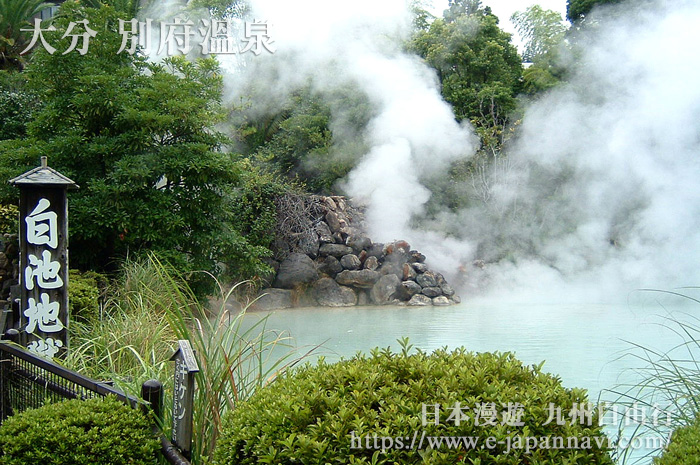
column 183, row 396
column 43, row 260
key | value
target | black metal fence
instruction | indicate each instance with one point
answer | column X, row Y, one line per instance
column 29, row 381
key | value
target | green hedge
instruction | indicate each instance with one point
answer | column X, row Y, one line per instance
column 312, row 415
column 76, row 432
column 684, row 448
column 84, row 294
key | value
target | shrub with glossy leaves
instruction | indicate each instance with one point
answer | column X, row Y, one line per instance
column 684, row 448
column 332, row 413
column 77, row 432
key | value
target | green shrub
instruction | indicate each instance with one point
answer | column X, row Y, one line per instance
column 76, row 432
column 9, row 219
column 84, row 294
column 312, row 415
column 684, row 448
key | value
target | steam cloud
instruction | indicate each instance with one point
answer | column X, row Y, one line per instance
column 599, row 195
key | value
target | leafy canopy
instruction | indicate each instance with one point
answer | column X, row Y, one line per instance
column 138, row 139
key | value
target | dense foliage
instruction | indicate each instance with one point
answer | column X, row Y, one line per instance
column 478, row 66
column 684, row 448
column 576, row 10
column 78, row 432
column 137, row 137
column 16, row 15
column 311, row 416
column 84, row 294
column 9, row 219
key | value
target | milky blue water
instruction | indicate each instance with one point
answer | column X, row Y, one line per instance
column 589, row 346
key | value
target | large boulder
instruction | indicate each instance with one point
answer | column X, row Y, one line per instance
column 329, row 294
column 330, row 266
column 432, row 291
column 359, row 278
column 359, row 243
column 333, row 221
column 336, row 250
column 274, row 299
column 386, row 288
column 427, row 279
column 325, row 236
column 294, row 270
column 408, row 289
column 350, row 262
column 420, row 300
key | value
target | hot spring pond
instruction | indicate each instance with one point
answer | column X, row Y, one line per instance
column 588, row 346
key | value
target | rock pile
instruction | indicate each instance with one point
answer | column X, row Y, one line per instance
column 343, row 267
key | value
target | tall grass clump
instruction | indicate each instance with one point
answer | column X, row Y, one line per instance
column 151, row 308
column 669, row 391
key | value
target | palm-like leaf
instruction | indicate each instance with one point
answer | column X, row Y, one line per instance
column 16, row 15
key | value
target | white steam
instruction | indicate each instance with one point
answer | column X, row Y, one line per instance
column 413, row 132
column 598, row 196
column 603, row 194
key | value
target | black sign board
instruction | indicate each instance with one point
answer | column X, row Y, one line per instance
column 183, row 396
column 44, row 260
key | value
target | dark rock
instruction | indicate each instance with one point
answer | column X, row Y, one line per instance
column 333, row 221
column 408, row 272
column 415, row 257
column 274, row 299
column 456, row 299
column 398, row 247
column 427, row 279
column 294, row 270
column 330, row 265
column 447, row 289
column 350, row 262
column 420, row 267
column 325, row 236
column 310, row 248
column 441, row 301
column 336, row 250
column 359, row 243
column 432, row 291
column 4, row 262
column 360, row 278
column 371, row 263
column 440, row 279
column 391, row 268
column 338, row 238
column 420, row 300
column 376, row 250
column 408, row 289
column 385, row 289
column 328, row 293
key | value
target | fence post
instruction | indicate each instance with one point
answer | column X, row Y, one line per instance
column 11, row 335
column 152, row 392
column 5, row 407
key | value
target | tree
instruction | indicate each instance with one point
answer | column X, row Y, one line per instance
column 577, row 10
column 542, row 30
column 15, row 16
column 17, row 104
column 138, row 139
column 478, row 66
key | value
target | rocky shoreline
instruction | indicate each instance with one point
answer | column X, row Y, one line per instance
column 339, row 266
